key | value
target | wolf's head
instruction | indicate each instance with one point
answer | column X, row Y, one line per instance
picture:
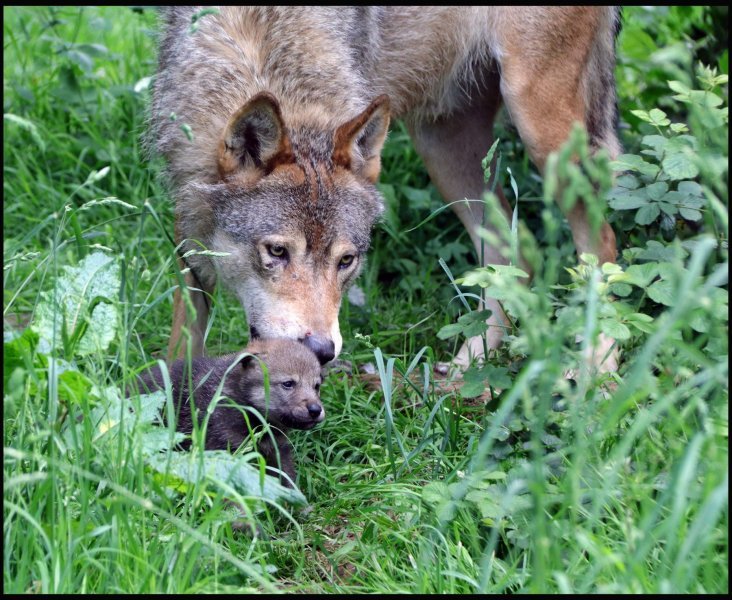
column 293, row 210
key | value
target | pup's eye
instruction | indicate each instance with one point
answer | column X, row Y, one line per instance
column 317, row 387
column 288, row 385
column 277, row 251
column 346, row 261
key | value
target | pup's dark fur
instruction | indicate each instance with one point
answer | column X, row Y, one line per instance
column 294, row 402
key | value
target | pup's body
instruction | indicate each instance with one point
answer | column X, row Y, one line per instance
column 289, row 108
column 294, row 402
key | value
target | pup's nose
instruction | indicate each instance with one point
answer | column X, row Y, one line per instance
column 314, row 410
column 323, row 348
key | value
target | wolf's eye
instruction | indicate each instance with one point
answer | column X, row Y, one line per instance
column 288, row 385
column 277, row 251
column 346, row 261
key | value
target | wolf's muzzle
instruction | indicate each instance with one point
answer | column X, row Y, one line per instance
column 323, row 348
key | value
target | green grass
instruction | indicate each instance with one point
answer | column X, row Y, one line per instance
column 413, row 486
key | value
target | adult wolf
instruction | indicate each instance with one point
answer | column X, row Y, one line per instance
column 289, row 109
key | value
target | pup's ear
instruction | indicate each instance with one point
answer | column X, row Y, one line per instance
column 248, row 362
column 252, row 361
column 357, row 143
column 255, row 138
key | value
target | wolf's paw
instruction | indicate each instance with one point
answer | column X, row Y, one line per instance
column 603, row 358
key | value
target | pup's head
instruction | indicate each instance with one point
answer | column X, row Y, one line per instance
column 294, row 210
column 294, row 383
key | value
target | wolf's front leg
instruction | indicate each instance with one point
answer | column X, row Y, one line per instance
column 183, row 322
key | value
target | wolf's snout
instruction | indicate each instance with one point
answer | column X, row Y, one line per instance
column 323, row 348
column 314, row 409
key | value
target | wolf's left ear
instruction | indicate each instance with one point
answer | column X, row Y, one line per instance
column 357, row 143
column 254, row 138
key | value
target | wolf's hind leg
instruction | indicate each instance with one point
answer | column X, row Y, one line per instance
column 452, row 149
column 553, row 80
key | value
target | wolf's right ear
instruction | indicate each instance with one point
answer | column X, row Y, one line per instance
column 254, row 138
column 357, row 143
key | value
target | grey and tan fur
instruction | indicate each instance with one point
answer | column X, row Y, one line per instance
column 289, row 109
column 293, row 403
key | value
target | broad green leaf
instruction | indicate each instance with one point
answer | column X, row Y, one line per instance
column 671, row 271
column 80, row 58
column 474, row 316
column 690, row 214
column 628, row 201
column 633, row 162
column 470, row 324
column 73, row 386
column 150, row 406
column 679, row 166
column 682, row 143
column 640, row 321
column 707, row 99
column 479, row 276
column 642, row 115
column 621, row 289
column 658, row 252
column 498, row 377
column 158, row 439
column 641, row 275
column 508, row 271
column 690, row 187
column 656, row 142
column 626, row 182
column 18, row 352
column 471, row 389
column 77, row 290
column 449, row 330
column 609, row 268
column 656, row 190
column 679, row 87
column 614, row 329
column 435, row 492
column 488, row 506
column 647, row 214
column 658, row 118
column 663, row 292
column 669, row 209
column 219, row 466
column 683, row 199
column 636, row 43
column 420, row 198
column 476, row 380
column 699, row 321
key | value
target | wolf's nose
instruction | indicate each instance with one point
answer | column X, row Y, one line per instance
column 323, row 348
column 314, row 409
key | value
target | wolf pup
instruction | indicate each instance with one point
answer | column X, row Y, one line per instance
column 272, row 120
column 294, row 397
